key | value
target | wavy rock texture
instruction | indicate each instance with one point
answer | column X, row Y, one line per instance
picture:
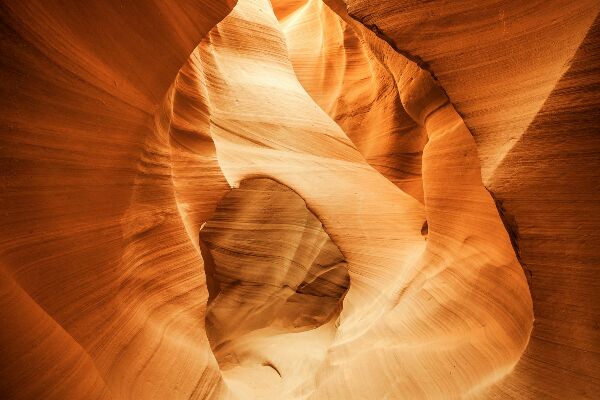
column 181, row 183
column 497, row 60
column 101, row 291
column 276, row 282
column 358, row 81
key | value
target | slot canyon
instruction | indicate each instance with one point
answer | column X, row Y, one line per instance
column 299, row 199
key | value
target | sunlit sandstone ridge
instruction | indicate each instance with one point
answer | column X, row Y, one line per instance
column 284, row 200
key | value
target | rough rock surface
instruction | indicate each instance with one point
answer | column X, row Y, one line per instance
column 299, row 200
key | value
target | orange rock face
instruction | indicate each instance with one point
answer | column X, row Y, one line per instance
column 299, row 200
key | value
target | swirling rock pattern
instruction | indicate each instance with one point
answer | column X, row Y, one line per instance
column 180, row 182
column 497, row 60
column 276, row 283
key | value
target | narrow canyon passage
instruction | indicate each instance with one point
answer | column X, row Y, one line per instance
column 397, row 304
column 299, row 199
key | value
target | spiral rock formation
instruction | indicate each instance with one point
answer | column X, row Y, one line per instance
column 299, row 199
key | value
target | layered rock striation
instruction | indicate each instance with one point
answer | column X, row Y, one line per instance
column 299, row 200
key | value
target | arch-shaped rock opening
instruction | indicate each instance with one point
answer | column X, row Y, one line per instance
column 276, row 284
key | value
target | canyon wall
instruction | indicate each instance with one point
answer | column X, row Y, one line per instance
column 299, row 200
